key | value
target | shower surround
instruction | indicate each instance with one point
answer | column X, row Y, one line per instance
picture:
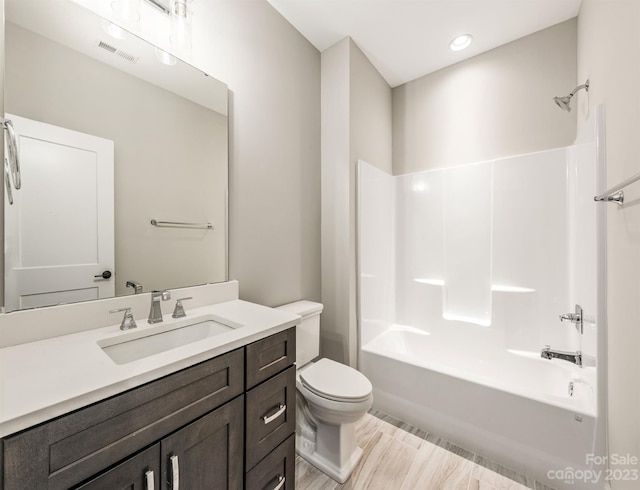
column 463, row 273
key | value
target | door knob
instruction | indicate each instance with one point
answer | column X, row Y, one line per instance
column 104, row 275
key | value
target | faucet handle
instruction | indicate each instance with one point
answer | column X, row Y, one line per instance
column 128, row 321
column 178, row 311
column 576, row 318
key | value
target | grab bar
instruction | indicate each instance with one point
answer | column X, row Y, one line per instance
column 7, row 182
column 180, row 224
column 615, row 194
column 13, row 163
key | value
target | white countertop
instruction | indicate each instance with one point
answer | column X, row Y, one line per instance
column 44, row 379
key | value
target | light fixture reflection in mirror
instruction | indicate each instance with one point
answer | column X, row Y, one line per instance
column 168, row 126
column 127, row 11
column 113, row 30
column 180, row 25
column 165, row 58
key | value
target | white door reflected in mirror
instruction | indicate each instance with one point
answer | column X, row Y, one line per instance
column 59, row 234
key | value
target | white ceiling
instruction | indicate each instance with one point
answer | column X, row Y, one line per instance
column 407, row 39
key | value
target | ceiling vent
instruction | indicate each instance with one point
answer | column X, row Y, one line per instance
column 118, row 52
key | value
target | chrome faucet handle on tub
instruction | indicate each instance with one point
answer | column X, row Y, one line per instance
column 155, row 313
column 127, row 321
column 576, row 318
column 178, row 311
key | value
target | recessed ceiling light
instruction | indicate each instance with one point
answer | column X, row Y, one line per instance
column 460, row 42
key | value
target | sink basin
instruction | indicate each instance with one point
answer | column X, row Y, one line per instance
column 144, row 343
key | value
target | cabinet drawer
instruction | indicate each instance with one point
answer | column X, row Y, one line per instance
column 72, row 448
column 269, row 356
column 271, row 415
column 277, row 470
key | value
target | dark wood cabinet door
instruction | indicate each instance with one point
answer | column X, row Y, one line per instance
column 206, row 454
column 140, row 472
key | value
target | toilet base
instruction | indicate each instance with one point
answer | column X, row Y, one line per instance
column 330, row 448
column 339, row 473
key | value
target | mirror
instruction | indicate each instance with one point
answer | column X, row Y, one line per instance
column 110, row 139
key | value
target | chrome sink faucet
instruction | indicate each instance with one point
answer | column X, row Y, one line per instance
column 574, row 357
column 136, row 286
column 155, row 314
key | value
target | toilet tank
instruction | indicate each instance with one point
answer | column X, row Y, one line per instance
column 308, row 331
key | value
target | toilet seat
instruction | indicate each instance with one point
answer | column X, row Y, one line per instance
column 337, row 382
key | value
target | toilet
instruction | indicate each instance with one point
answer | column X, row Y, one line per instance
column 331, row 397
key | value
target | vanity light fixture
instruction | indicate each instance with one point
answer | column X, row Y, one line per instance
column 460, row 42
column 127, row 12
column 180, row 25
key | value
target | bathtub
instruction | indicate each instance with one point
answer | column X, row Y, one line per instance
column 511, row 407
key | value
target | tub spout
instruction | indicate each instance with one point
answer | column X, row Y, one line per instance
column 574, row 357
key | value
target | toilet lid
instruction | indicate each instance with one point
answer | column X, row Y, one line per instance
column 335, row 381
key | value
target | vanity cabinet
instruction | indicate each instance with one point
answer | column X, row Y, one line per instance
column 271, row 413
column 72, row 449
column 205, row 454
column 222, row 424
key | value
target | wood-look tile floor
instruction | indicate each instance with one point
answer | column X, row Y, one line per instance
column 397, row 456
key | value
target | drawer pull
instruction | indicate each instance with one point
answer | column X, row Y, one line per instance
column 175, row 473
column 281, row 409
column 280, row 484
column 148, row 478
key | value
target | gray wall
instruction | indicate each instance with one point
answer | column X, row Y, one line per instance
column 273, row 74
column 493, row 105
column 356, row 125
column 178, row 175
column 608, row 54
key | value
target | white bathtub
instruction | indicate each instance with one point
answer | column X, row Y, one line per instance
column 513, row 408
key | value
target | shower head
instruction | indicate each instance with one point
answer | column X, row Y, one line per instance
column 564, row 102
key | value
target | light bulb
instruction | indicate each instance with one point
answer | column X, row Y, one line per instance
column 180, row 25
